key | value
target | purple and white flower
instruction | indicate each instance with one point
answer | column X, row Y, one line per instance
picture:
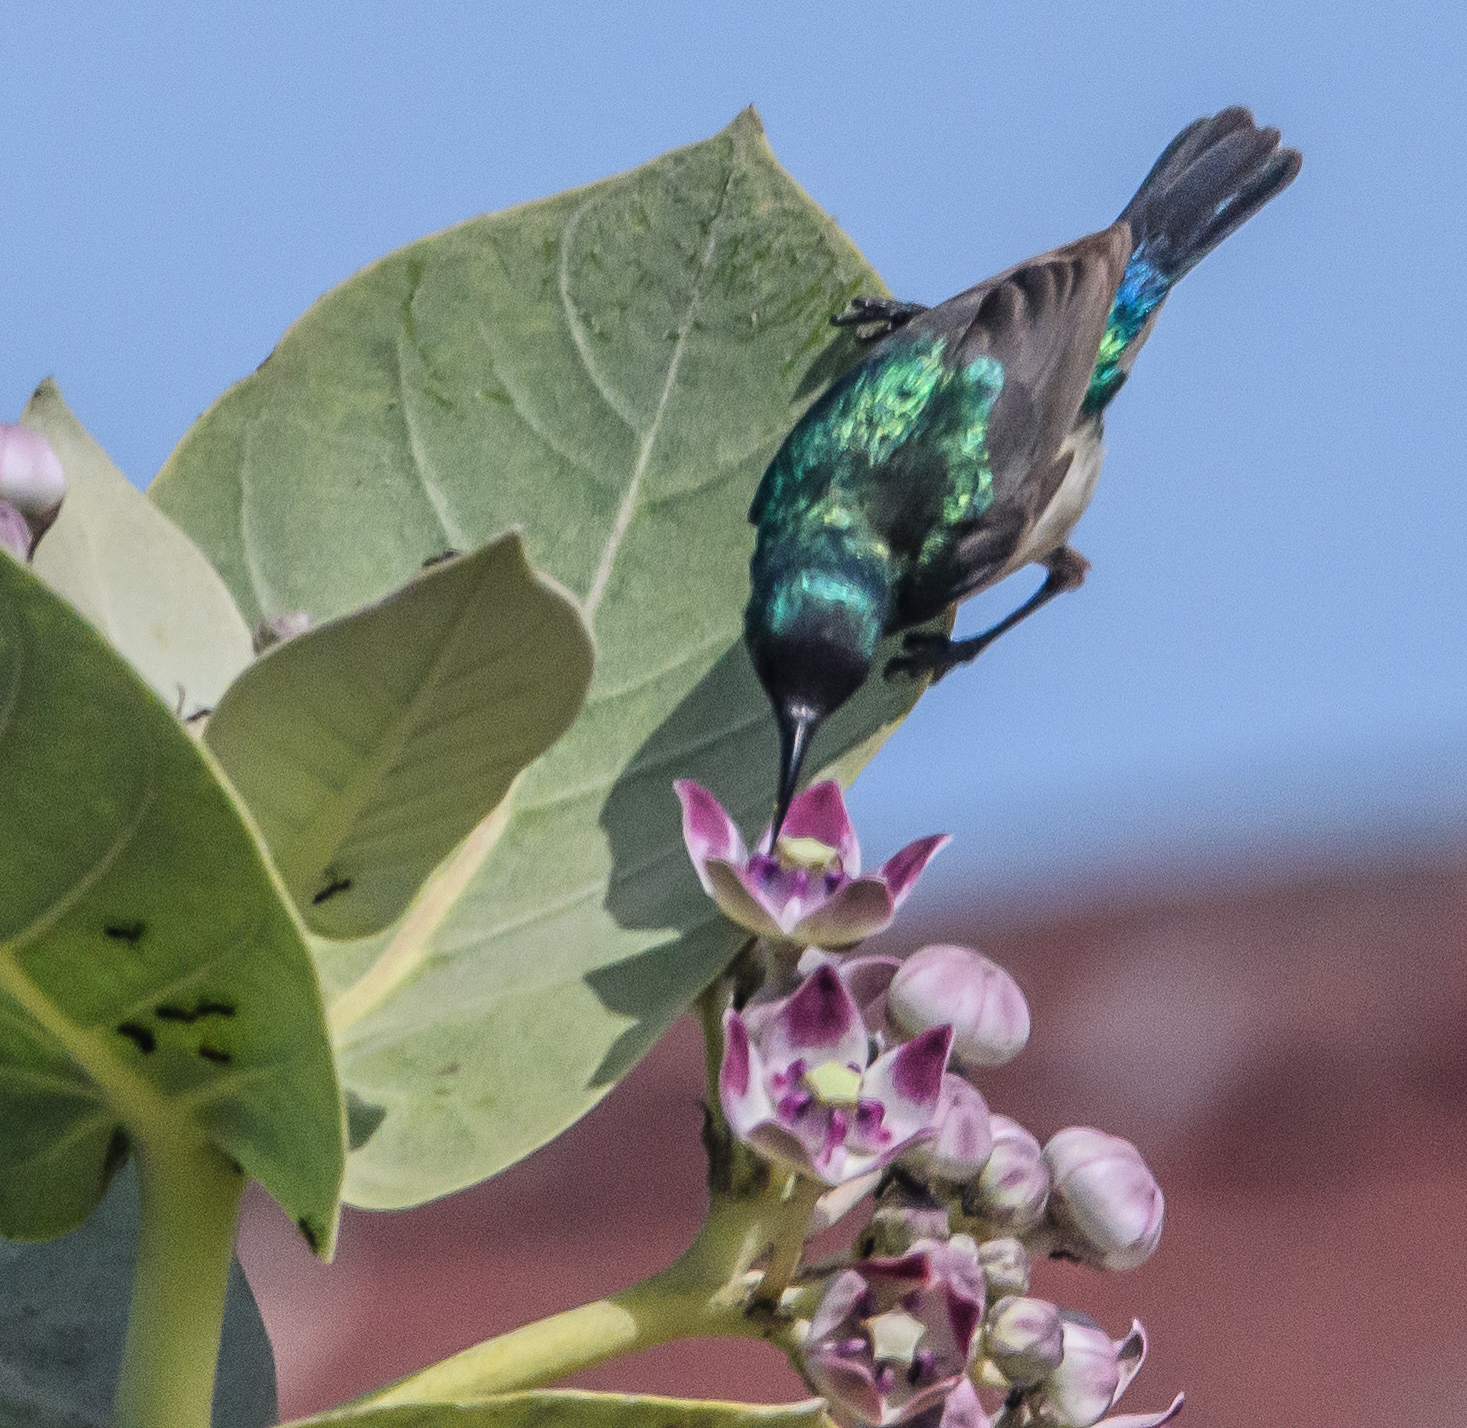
column 892, row 1337
column 797, row 1086
column 808, row 888
column 1092, row 1375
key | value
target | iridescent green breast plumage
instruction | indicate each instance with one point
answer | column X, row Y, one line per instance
column 876, row 477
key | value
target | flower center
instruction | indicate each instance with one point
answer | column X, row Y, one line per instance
column 835, row 1083
column 895, row 1336
column 807, row 855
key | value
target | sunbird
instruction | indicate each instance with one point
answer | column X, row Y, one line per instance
column 967, row 443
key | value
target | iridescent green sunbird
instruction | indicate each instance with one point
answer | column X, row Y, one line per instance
column 967, row 442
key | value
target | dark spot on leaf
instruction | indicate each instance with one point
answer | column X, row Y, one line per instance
column 362, row 1120
column 189, row 1015
column 311, row 1237
column 214, row 1054
column 336, row 885
column 452, row 1069
column 140, row 1036
column 118, row 1149
column 129, row 932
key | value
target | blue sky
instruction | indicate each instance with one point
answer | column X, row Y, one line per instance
column 1268, row 661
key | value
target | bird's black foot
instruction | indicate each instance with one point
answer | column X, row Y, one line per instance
column 875, row 318
column 932, row 655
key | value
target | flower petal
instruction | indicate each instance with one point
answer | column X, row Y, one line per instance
column 728, row 886
column 707, row 830
column 820, row 813
column 847, row 1383
column 1145, row 1420
column 908, row 1082
column 901, row 870
column 1130, row 1355
column 858, row 910
column 741, row 1087
column 819, row 1022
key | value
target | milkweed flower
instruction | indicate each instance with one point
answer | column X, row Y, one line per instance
column 1105, row 1204
column 1092, row 1375
column 808, row 887
column 981, row 1001
column 892, row 1337
column 798, row 1087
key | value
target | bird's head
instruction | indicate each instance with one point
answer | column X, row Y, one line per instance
column 812, row 633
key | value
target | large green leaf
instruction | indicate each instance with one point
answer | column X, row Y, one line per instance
column 63, row 1318
column 132, row 572
column 611, row 370
column 569, row 1408
column 153, row 981
column 367, row 747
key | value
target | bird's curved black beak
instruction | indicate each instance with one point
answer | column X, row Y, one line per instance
column 797, row 724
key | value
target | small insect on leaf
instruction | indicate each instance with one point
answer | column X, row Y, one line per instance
column 188, row 1015
column 140, row 1036
column 336, row 885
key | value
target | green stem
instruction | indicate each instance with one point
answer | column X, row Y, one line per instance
column 190, row 1209
column 702, row 1294
column 799, row 1209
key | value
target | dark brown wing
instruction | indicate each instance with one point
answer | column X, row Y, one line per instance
column 1043, row 320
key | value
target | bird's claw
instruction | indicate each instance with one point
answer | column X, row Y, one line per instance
column 875, row 318
column 931, row 655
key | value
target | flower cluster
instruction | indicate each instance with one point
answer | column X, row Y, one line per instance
column 856, row 1073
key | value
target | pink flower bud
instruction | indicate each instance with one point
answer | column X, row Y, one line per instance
column 964, row 1138
column 1023, row 1340
column 31, row 478
column 956, row 986
column 1011, row 1190
column 1106, row 1205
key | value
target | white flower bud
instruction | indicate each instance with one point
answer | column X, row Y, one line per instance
column 1011, row 1190
column 1106, row 1205
column 958, row 987
column 964, row 1138
column 1005, row 1265
column 1023, row 1340
column 1081, row 1390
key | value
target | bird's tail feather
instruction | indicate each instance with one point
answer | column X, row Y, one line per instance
column 1214, row 176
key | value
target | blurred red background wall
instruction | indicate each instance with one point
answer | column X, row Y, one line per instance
column 1292, row 1060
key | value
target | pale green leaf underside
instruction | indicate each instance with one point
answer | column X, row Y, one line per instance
column 568, row 1408
column 610, row 369
column 63, row 1318
column 368, row 747
column 132, row 572
column 152, row 979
